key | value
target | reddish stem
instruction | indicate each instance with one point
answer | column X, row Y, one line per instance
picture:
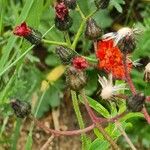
column 127, row 75
column 66, row 133
column 146, row 115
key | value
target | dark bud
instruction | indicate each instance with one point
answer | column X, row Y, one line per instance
column 65, row 54
column 93, row 31
column 75, row 78
column 70, row 3
column 63, row 25
column 35, row 37
column 101, row 4
column 135, row 102
column 127, row 44
column 21, row 108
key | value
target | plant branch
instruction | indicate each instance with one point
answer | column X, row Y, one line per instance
column 125, row 135
column 54, row 42
column 127, row 75
column 146, row 115
column 79, row 117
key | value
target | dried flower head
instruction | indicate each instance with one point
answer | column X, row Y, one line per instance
column 111, row 59
column 124, row 38
column 75, row 78
column 79, row 63
column 61, row 10
column 147, row 73
column 21, row 108
column 135, row 102
column 22, row 30
column 93, row 31
column 108, row 89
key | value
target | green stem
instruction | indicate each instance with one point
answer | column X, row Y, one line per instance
column 67, row 37
column 19, row 58
column 80, row 11
column 73, row 46
column 48, row 31
column 54, row 42
column 79, row 117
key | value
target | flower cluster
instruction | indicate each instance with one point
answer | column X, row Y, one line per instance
column 80, row 63
column 22, row 30
column 61, row 11
column 111, row 59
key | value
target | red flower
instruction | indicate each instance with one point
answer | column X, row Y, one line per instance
column 79, row 63
column 111, row 59
column 22, row 30
column 61, row 11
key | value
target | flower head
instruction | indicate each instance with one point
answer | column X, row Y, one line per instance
column 111, row 59
column 108, row 89
column 80, row 63
column 22, row 30
column 120, row 34
column 61, row 10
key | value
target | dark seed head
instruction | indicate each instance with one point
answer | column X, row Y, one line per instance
column 21, row 108
column 93, row 31
column 75, row 78
column 135, row 102
column 70, row 3
column 101, row 4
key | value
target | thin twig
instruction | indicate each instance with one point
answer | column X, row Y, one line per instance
column 48, row 142
column 147, row 117
column 125, row 135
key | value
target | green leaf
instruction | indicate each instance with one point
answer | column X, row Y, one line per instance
column 117, row 4
column 99, row 145
column 97, row 106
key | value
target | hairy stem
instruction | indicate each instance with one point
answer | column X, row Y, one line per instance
column 79, row 117
column 54, row 42
column 125, row 135
column 127, row 75
column 95, row 120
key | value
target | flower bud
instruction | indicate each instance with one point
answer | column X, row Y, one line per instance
column 63, row 25
column 79, row 63
column 135, row 102
column 33, row 36
column 101, row 4
column 70, row 3
column 21, row 108
column 75, row 78
column 127, row 44
column 147, row 73
column 62, row 20
column 93, row 31
column 65, row 54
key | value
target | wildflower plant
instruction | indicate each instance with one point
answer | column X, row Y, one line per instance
column 117, row 100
